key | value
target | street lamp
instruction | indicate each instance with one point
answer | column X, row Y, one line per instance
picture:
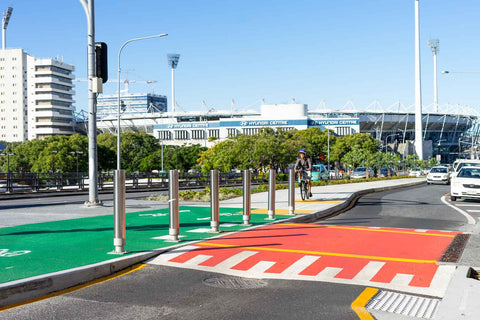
column 386, row 139
column 435, row 47
column 53, row 163
column 118, row 88
column 119, row 176
column 77, row 153
column 173, row 62
column 418, row 87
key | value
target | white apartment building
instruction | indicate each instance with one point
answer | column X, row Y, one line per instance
column 36, row 96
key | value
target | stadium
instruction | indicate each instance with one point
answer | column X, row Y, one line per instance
column 449, row 131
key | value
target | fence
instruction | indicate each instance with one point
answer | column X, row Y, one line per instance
column 15, row 182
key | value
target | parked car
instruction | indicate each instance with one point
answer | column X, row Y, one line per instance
column 466, row 184
column 438, row 174
column 415, row 173
column 319, row 172
column 361, row 173
column 384, row 172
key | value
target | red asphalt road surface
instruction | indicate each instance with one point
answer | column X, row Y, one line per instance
column 404, row 251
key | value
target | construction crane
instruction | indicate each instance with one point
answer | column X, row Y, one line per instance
column 126, row 82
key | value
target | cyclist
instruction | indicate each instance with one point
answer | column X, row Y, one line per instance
column 304, row 164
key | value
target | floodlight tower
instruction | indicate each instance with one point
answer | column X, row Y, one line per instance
column 418, row 87
column 173, row 62
column 435, row 47
column 6, row 18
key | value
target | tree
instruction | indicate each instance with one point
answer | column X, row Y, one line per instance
column 354, row 158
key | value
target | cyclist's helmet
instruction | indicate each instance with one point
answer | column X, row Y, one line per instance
column 303, row 151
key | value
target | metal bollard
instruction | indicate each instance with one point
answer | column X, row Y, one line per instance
column 214, row 200
column 246, row 197
column 119, row 239
column 271, row 194
column 174, row 226
column 291, row 191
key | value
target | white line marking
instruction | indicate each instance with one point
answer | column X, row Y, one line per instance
column 473, row 210
column 235, row 259
column 470, row 219
column 299, row 265
column 369, row 271
column 167, row 256
column 228, row 225
column 467, row 205
column 261, row 267
column 197, row 260
column 167, row 237
column 200, row 230
column 420, row 230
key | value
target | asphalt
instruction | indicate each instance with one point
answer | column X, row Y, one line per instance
column 62, row 252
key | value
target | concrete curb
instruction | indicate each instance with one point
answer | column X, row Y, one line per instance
column 35, row 287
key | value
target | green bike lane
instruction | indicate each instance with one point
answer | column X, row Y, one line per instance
column 42, row 248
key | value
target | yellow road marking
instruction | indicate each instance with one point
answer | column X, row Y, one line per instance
column 78, row 287
column 279, row 211
column 319, row 253
column 319, row 201
column 359, row 304
column 369, row 229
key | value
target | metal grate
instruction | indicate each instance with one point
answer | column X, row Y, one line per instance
column 404, row 304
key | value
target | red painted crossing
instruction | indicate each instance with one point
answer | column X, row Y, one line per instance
column 380, row 255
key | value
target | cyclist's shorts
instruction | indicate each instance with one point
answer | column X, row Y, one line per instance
column 309, row 175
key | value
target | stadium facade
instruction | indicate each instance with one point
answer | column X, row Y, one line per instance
column 445, row 132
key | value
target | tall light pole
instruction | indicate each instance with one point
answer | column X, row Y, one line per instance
column 418, row 87
column 6, row 18
column 173, row 62
column 93, row 199
column 435, row 47
column 119, row 229
column 119, row 70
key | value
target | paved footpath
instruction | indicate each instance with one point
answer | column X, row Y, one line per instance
column 40, row 258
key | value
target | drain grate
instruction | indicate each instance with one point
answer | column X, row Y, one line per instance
column 235, row 283
column 404, row 304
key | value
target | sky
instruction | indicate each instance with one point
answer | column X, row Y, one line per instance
column 315, row 51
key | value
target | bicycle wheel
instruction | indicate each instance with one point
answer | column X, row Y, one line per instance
column 305, row 190
column 303, row 194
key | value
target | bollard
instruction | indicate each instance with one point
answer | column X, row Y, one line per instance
column 246, row 197
column 174, row 227
column 291, row 191
column 214, row 200
column 119, row 239
column 271, row 195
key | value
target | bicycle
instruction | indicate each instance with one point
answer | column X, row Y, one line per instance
column 303, row 184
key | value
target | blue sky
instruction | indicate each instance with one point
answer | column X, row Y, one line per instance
column 315, row 50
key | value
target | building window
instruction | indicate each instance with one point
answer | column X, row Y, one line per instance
column 181, row 135
column 165, row 135
column 250, row 131
column 232, row 132
column 343, row 131
column 198, row 134
column 214, row 133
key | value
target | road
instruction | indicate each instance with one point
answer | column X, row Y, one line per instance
column 190, row 290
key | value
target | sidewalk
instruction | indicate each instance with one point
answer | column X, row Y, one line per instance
column 57, row 253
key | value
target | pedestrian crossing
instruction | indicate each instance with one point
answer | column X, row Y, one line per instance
column 278, row 254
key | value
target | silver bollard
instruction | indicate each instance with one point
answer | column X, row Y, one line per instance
column 119, row 238
column 246, row 197
column 214, row 200
column 291, row 191
column 173, row 230
column 271, row 194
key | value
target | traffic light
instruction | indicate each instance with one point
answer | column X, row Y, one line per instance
column 101, row 61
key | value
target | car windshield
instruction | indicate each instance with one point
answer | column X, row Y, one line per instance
column 467, row 164
column 439, row 170
column 360, row 169
column 473, row 173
